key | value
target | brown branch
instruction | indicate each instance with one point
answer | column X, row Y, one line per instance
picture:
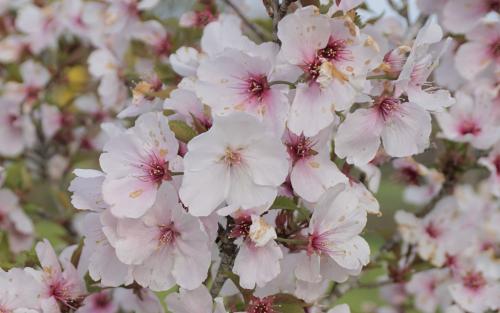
column 253, row 27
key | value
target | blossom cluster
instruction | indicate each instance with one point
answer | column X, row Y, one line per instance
column 237, row 172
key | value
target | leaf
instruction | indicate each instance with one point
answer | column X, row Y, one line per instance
column 75, row 258
column 182, row 131
column 290, row 308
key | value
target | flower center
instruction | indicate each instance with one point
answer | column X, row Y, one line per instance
column 12, row 119
column 102, row 300
column 167, row 234
column 241, row 227
column 474, row 281
column 335, row 51
column 300, row 148
column 469, row 127
column 409, row 175
column 155, row 170
column 386, row 106
column 313, row 68
column 432, row 230
column 496, row 162
column 232, row 157
column 203, row 18
column 258, row 305
column 257, row 86
column 319, row 243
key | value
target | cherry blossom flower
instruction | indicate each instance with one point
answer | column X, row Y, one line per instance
column 235, row 81
column 41, row 25
column 99, row 255
column 100, row 302
column 481, row 52
column 335, row 250
column 423, row 183
column 475, row 293
column 436, row 234
column 19, row 292
column 258, row 258
column 312, row 171
column 470, row 120
column 62, row 288
column 418, row 67
column 13, row 220
column 136, row 163
column 34, row 76
column 403, row 127
column 459, row 16
column 430, row 289
column 167, row 245
column 335, row 63
column 246, row 160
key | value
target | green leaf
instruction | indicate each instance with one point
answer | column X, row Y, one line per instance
column 290, row 308
column 182, row 131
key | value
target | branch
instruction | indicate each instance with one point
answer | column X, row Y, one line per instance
column 253, row 27
column 228, row 252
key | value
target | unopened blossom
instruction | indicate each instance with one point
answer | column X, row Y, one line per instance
column 312, row 170
column 198, row 300
column 167, row 246
column 492, row 163
column 185, row 61
column 430, row 289
column 481, row 52
column 136, row 163
column 470, row 120
column 459, row 16
column 333, row 56
column 15, row 223
column 335, row 250
column 62, row 288
column 247, row 162
column 403, row 128
column 236, row 81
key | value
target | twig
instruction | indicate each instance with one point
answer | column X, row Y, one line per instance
column 253, row 27
column 228, row 251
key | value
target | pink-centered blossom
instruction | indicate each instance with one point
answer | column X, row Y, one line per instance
column 247, row 162
column 136, row 163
